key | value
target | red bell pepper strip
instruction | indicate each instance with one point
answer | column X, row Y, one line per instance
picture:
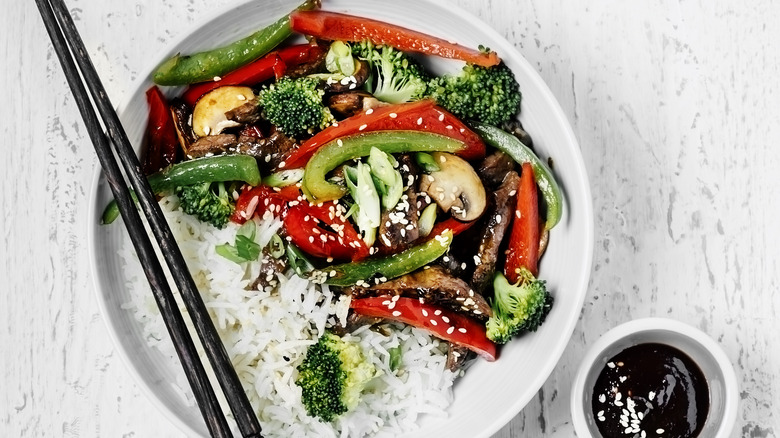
column 161, row 141
column 442, row 323
column 423, row 115
column 341, row 27
column 451, row 224
column 318, row 231
column 523, row 250
column 271, row 65
column 255, row 201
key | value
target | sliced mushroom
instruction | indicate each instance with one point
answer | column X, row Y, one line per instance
column 181, row 113
column 350, row 83
column 208, row 117
column 456, row 187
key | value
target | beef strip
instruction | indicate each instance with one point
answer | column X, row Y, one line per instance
column 516, row 128
column 269, row 267
column 457, row 356
column 494, row 168
column 270, row 150
column 433, row 285
column 398, row 227
column 246, row 113
column 497, row 220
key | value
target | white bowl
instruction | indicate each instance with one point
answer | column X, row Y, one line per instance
column 491, row 393
column 703, row 350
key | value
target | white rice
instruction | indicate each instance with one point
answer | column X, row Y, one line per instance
column 266, row 333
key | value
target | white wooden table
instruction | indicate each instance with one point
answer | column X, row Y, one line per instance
column 676, row 105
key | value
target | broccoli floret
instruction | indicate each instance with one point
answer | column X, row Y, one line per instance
column 295, row 105
column 486, row 94
column 395, row 77
column 209, row 202
column 332, row 376
column 517, row 307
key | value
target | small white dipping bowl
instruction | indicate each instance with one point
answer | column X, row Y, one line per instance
column 703, row 350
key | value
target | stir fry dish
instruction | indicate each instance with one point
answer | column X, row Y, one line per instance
column 415, row 196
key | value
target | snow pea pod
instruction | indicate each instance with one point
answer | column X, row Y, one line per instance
column 511, row 145
column 210, row 64
column 385, row 268
column 208, row 169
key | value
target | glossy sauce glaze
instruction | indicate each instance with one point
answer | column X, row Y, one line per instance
column 650, row 390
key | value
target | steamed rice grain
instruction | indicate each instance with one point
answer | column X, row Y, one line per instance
column 266, row 334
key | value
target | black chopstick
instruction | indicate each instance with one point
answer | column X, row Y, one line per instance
column 58, row 22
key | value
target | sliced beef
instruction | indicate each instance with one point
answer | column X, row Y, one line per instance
column 516, row 128
column 269, row 267
column 344, row 105
column 212, row 145
column 398, row 227
column 433, row 285
column 246, row 113
column 494, row 168
column 457, row 356
column 496, row 222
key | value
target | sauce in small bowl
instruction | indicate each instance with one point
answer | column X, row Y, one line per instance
column 650, row 390
column 655, row 377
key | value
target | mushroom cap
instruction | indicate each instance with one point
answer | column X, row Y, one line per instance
column 208, row 116
column 455, row 187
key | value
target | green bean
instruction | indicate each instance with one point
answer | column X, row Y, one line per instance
column 210, row 64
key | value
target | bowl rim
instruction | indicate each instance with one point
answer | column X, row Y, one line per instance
column 678, row 328
column 586, row 207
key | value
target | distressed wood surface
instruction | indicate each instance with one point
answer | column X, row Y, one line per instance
column 676, row 105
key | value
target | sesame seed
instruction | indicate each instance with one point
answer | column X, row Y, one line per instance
column 445, row 319
column 462, row 330
column 437, row 312
column 419, row 121
column 393, row 115
column 396, row 313
column 217, row 78
column 433, row 322
column 449, row 126
column 659, row 431
column 362, row 127
column 370, row 111
column 450, row 329
column 424, row 313
column 441, row 117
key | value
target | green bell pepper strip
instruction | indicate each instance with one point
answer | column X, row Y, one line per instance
column 208, row 169
column 205, row 66
column 388, row 267
column 511, row 145
column 332, row 154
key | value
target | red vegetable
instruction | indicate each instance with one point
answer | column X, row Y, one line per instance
column 161, row 141
column 442, row 323
column 333, row 26
column 317, row 231
column 423, row 115
column 257, row 200
column 523, row 250
column 451, row 224
column 271, row 65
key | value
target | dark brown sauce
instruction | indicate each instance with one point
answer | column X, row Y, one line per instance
column 651, row 390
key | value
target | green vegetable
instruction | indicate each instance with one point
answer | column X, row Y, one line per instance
column 295, row 105
column 395, row 357
column 209, row 202
column 368, row 213
column 395, row 77
column 298, row 261
column 205, row 66
column 339, row 59
column 276, row 246
column 332, row 154
column 517, row 308
column 388, row 267
column 386, row 178
column 426, row 162
column 283, row 178
column 427, row 219
column 509, row 144
column 332, row 376
column 221, row 168
column 245, row 248
column 485, row 94
column 111, row 211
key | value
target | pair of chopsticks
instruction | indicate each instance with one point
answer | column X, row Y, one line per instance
column 81, row 75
